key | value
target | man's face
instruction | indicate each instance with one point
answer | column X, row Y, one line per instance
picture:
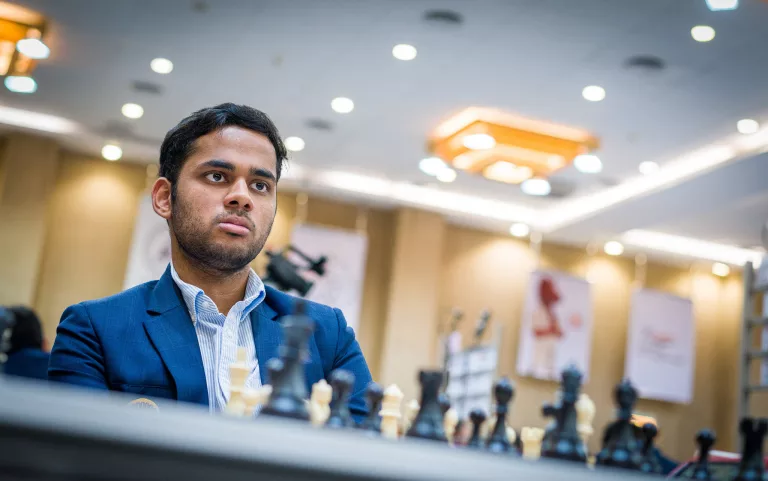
column 226, row 196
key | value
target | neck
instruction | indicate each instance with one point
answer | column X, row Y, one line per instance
column 224, row 288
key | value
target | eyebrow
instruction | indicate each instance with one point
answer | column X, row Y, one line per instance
column 229, row 166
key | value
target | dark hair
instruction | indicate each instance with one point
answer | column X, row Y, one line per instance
column 27, row 331
column 179, row 142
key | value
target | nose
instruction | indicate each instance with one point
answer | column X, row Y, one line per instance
column 239, row 196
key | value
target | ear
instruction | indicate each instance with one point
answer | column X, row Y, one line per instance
column 161, row 198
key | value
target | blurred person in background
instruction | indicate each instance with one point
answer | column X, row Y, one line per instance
column 27, row 356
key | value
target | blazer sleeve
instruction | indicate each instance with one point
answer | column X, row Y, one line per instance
column 349, row 357
column 77, row 356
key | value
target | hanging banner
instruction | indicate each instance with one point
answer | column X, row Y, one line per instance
column 556, row 326
column 342, row 283
column 150, row 247
column 661, row 346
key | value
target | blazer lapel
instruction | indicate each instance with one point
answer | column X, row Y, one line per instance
column 268, row 335
column 173, row 335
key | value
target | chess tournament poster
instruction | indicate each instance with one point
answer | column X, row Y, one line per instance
column 661, row 346
column 150, row 246
column 556, row 326
column 342, row 284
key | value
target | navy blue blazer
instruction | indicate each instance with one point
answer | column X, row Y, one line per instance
column 142, row 341
column 30, row 363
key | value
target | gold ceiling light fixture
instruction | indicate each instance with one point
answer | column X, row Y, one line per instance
column 21, row 45
column 506, row 147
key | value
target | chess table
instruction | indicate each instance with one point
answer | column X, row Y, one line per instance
column 52, row 432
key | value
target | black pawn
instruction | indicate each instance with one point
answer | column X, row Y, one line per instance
column 751, row 467
column 503, row 393
column 445, row 403
column 561, row 437
column 705, row 439
column 477, row 418
column 289, row 387
column 341, row 383
column 650, row 464
column 621, row 447
column 373, row 395
column 429, row 421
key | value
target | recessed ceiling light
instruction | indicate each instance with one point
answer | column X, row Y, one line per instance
column 111, row 152
column 432, row 166
column 446, row 175
column 613, row 248
column 747, row 126
column 702, row 33
column 716, row 5
column 588, row 163
column 161, row 65
column 132, row 111
column 720, row 269
column 593, row 93
column 342, row 105
column 536, row 186
column 648, row 167
column 519, row 229
column 33, row 48
column 21, row 85
column 404, row 52
column 294, row 144
column 479, row 142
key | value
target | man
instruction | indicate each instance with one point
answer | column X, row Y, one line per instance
column 176, row 338
column 27, row 356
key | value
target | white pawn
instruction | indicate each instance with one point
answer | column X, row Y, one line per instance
column 450, row 420
column 411, row 411
column 256, row 398
column 531, row 439
column 585, row 414
column 320, row 403
column 238, row 374
column 390, row 412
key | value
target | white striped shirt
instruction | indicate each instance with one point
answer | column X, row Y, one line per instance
column 220, row 335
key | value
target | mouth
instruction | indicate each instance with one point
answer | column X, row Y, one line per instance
column 235, row 225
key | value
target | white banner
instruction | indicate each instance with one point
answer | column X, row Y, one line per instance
column 342, row 284
column 661, row 346
column 556, row 326
column 150, row 248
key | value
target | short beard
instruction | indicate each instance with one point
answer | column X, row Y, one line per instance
column 194, row 241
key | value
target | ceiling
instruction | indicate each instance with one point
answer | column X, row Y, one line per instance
column 533, row 57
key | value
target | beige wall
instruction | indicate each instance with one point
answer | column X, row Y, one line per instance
column 418, row 268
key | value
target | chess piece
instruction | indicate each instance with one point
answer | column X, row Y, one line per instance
column 751, row 467
column 503, row 393
column 649, row 464
column 319, row 403
column 374, row 396
column 477, row 418
column 341, row 383
column 287, row 373
column 561, row 437
column 411, row 410
column 621, row 447
column 7, row 320
column 429, row 421
column 450, row 425
column 255, row 398
column 390, row 412
column 531, row 439
column 705, row 439
column 238, row 375
column 585, row 414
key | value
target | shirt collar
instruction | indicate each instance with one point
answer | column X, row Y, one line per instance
column 254, row 293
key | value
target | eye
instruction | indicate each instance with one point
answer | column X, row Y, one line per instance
column 215, row 177
column 260, row 186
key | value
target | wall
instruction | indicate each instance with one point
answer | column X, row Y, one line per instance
column 482, row 270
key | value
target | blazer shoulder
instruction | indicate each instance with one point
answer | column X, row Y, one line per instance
column 126, row 299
